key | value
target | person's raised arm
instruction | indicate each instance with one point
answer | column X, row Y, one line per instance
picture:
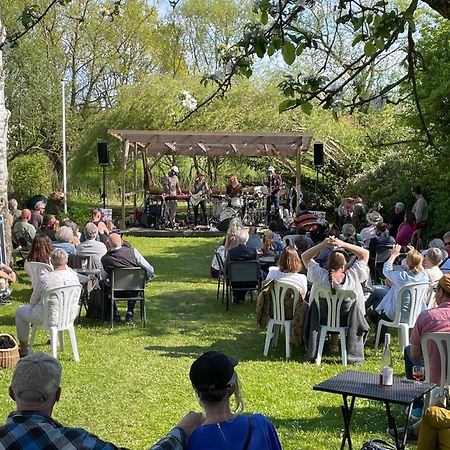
column 313, row 251
column 360, row 252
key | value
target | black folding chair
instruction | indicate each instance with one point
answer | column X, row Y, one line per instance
column 381, row 256
column 128, row 284
column 242, row 276
column 221, row 279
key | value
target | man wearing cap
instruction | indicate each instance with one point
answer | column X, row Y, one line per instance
column 36, row 387
column 435, row 320
column 396, row 219
column 171, row 186
column 370, row 231
column 274, row 183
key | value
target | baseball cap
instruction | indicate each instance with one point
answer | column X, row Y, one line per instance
column 271, row 169
column 36, row 378
column 212, row 371
column 175, row 169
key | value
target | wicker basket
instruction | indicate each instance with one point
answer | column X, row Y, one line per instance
column 8, row 356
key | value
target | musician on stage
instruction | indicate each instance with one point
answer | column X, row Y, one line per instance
column 171, row 186
column 199, row 191
column 274, row 184
column 234, row 188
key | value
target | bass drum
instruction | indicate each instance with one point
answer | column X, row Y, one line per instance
column 219, row 204
column 224, row 220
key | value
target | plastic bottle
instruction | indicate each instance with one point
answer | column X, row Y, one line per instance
column 386, row 363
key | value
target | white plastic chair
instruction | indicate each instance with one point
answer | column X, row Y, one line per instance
column 278, row 321
column 35, row 270
column 60, row 309
column 441, row 343
column 404, row 320
column 334, row 304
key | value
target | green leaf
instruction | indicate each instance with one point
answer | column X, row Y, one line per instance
column 306, row 108
column 369, row 49
column 288, row 52
column 277, row 42
column 357, row 39
column 264, row 17
column 285, row 104
column 379, row 43
column 260, row 47
column 270, row 50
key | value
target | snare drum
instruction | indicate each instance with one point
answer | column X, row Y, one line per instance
column 227, row 213
column 237, row 202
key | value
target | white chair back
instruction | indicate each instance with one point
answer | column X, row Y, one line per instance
column 417, row 295
column 334, row 304
column 61, row 307
column 278, row 321
column 35, row 270
column 409, row 303
column 439, row 342
column 279, row 291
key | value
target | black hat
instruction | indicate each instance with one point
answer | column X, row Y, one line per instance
column 212, row 371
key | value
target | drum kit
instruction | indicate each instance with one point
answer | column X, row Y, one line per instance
column 251, row 207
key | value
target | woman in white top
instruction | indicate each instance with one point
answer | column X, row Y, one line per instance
column 337, row 276
column 289, row 266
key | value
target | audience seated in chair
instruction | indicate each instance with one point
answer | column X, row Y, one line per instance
column 32, row 313
column 396, row 219
column 240, row 253
column 215, row 381
column 37, row 215
column 338, row 276
column 35, row 388
column 381, row 303
column 91, row 246
column 431, row 261
column 7, row 276
column 120, row 256
column 24, row 232
column 406, row 230
column 64, row 238
column 382, row 238
column 348, row 234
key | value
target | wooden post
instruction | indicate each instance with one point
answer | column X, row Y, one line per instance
column 135, row 151
column 125, row 150
column 298, row 174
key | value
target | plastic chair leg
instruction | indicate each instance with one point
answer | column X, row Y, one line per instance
column 269, row 333
column 343, row 347
column 218, row 288
column 143, row 313
column 54, row 341
column 287, row 332
column 73, row 342
column 32, row 336
column 377, row 339
column 323, row 332
column 276, row 333
column 61, row 339
column 403, row 335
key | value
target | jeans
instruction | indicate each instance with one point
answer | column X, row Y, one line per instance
column 374, row 299
column 275, row 201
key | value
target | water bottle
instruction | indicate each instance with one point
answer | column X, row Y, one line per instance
column 386, row 363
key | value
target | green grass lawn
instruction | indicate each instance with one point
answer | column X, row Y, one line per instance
column 132, row 385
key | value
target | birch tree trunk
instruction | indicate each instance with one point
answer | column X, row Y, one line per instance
column 4, row 117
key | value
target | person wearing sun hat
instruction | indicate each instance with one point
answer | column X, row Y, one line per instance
column 36, row 388
column 215, row 380
column 370, row 231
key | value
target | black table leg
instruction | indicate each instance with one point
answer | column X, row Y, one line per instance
column 346, row 416
column 400, row 445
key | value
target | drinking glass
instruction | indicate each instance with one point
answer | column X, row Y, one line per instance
column 418, row 373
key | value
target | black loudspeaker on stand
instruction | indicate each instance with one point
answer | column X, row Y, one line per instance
column 103, row 161
column 318, row 154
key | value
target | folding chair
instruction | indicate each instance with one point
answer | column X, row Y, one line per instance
column 242, row 276
column 128, row 284
column 376, row 264
column 221, row 278
column 60, row 309
column 35, row 270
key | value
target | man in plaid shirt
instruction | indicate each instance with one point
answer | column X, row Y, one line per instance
column 35, row 387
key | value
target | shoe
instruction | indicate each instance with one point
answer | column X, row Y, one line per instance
column 411, row 437
column 4, row 302
column 116, row 318
column 129, row 318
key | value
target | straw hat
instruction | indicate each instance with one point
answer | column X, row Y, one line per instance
column 374, row 217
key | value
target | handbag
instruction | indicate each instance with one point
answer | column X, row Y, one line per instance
column 249, row 434
column 377, row 444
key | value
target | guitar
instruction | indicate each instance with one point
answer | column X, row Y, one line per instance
column 197, row 198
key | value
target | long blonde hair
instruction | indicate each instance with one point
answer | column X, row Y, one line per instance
column 414, row 260
column 335, row 261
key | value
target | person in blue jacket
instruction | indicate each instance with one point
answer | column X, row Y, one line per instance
column 215, row 381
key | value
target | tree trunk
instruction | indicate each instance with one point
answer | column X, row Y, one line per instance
column 4, row 117
column 441, row 6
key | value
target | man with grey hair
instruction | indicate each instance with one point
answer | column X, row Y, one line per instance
column 37, row 215
column 64, row 237
column 32, row 313
column 396, row 219
column 241, row 252
column 36, row 387
column 91, row 247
